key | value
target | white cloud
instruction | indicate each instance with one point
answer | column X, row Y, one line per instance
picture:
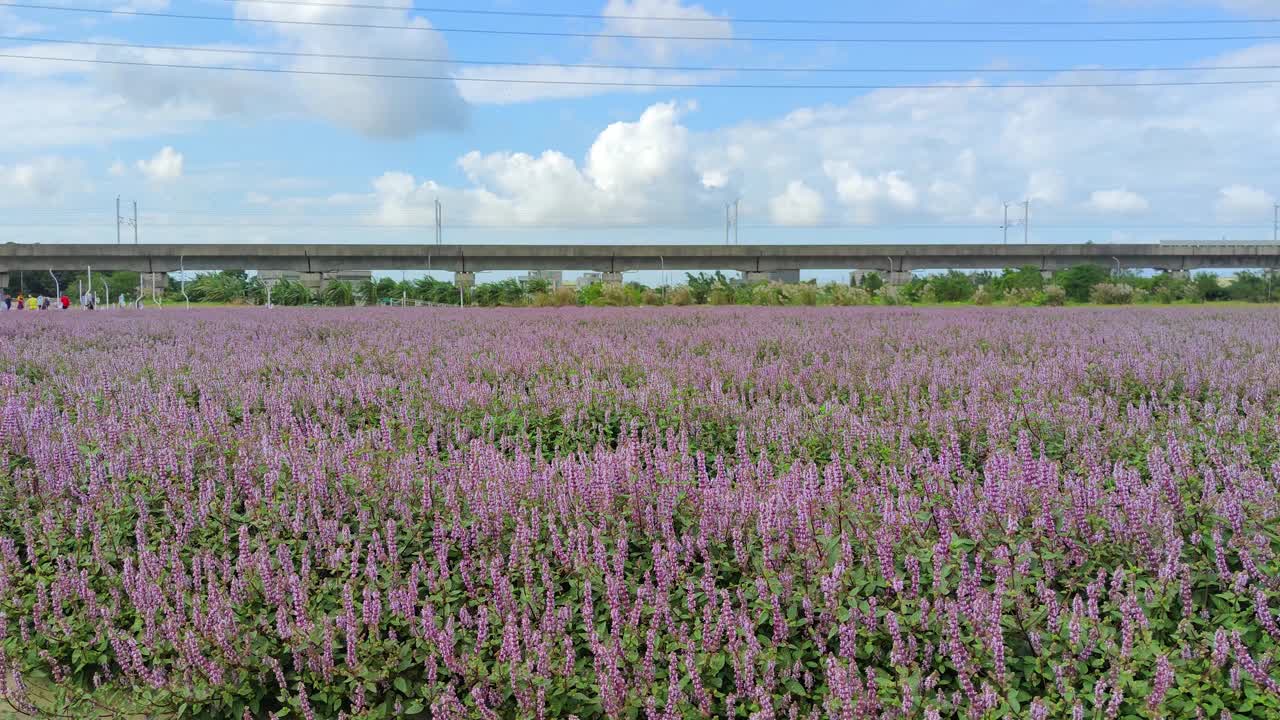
column 634, row 172
column 893, row 157
column 639, row 20
column 799, row 204
column 1244, row 202
column 41, row 181
column 1118, row 201
column 378, row 107
column 375, row 107
column 164, row 166
column 1046, row 187
column 869, row 196
column 117, row 169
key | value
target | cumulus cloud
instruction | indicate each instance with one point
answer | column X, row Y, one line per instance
column 378, row 107
column 1118, row 201
column 799, row 204
column 371, row 106
column 634, row 172
column 41, row 180
column 642, row 20
column 1244, row 202
column 869, row 196
column 892, row 157
column 164, row 166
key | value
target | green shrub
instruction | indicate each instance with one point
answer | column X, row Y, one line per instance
column 890, row 295
column 767, row 294
column 803, row 294
column 843, row 296
column 720, row 296
column 1079, row 281
column 339, row 293
column 1054, row 295
column 560, row 297
column 1112, row 294
column 1022, row 296
column 951, row 286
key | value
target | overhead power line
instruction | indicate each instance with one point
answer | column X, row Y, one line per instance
column 606, row 66
column 653, row 226
column 762, row 21
column 631, row 36
column 646, row 84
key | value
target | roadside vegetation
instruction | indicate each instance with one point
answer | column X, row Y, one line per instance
column 1082, row 284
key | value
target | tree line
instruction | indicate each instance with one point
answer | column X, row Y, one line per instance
column 1014, row 286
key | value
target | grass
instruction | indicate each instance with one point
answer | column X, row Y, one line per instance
column 112, row 705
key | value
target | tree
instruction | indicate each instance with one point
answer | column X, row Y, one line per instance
column 339, row 293
column 872, row 282
column 40, row 282
column 701, row 285
column 436, row 291
column 1026, row 277
column 288, row 292
column 221, row 287
column 590, row 295
column 368, row 292
column 1077, row 281
column 1209, row 288
column 1249, row 287
column 951, row 286
column 503, row 292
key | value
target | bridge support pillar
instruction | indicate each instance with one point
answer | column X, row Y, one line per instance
column 4, row 279
column 790, row 275
column 312, row 281
column 611, row 278
column 464, row 280
column 153, row 283
column 751, row 277
column 898, row 278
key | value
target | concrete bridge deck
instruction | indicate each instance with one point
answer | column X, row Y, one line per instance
column 311, row 258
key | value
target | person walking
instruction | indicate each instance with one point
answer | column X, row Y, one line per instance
column 65, row 301
column 22, row 302
column 8, row 302
column 31, row 303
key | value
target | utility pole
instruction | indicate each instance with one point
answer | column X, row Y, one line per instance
column 1005, row 226
column 122, row 220
column 1026, row 222
column 735, row 222
column 1275, row 224
column 439, row 222
column 731, row 222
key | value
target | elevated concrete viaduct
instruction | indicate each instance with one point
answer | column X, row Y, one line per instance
column 895, row 261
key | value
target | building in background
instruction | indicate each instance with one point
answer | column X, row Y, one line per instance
column 554, row 277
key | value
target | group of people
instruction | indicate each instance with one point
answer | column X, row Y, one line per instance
column 43, row 302
column 35, row 302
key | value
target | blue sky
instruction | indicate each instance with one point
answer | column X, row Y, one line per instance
column 267, row 157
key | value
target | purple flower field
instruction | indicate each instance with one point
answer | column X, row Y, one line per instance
column 673, row 513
